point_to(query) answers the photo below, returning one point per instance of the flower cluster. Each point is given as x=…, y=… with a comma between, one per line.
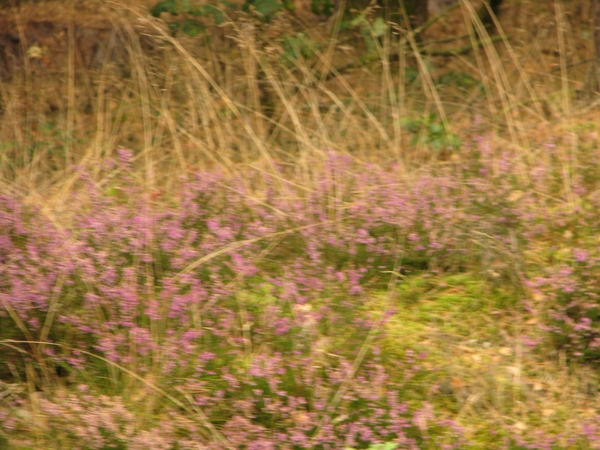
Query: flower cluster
x=247, y=307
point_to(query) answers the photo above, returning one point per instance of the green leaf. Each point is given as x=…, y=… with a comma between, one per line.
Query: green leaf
x=454, y=142
x=216, y=13
x=228, y=4
x=379, y=27
x=288, y=4
x=322, y=7
x=386, y=446
x=436, y=128
x=267, y=7
x=358, y=21
x=192, y=27
x=410, y=124
x=111, y=190
x=197, y=11
x=168, y=6
x=299, y=45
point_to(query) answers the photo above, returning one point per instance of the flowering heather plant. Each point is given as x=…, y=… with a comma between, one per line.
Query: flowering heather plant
x=568, y=291
x=248, y=316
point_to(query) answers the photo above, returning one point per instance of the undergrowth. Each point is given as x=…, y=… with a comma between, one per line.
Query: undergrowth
x=267, y=322
x=254, y=243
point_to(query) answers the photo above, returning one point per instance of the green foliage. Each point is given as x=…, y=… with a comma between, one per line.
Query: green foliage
x=184, y=7
x=370, y=30
x=429, y=131
x=386, y=446
x=299, y=45
x=168, y=6
x=459, y=79
x=265, y=8
x=192, y=19
x=188, y=18
x=322, y=7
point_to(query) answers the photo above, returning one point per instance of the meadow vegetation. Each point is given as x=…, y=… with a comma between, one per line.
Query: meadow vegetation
x=284, y=234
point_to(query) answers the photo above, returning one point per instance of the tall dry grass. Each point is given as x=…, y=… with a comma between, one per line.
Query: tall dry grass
x=250, y=99
x=242, y=100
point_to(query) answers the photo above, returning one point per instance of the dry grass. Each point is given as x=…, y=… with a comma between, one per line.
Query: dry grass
x=240, y=102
